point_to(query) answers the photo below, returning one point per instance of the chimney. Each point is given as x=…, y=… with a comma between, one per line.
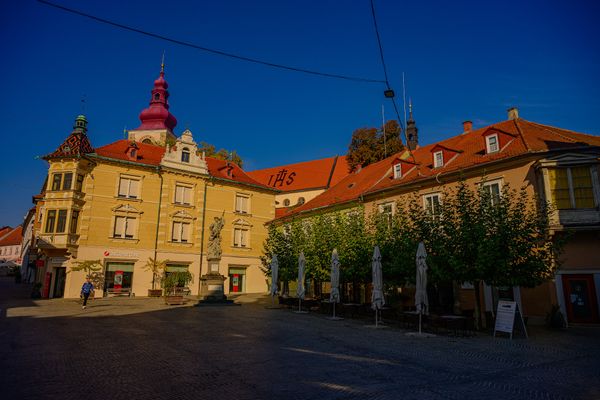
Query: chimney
x=513, y=113
x=467, y=126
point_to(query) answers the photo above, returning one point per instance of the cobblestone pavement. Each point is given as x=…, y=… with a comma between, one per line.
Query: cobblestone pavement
x=142, y=349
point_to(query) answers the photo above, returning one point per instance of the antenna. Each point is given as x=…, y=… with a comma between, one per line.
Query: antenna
x=404, y=98
x=83, y=104
x=383, y=129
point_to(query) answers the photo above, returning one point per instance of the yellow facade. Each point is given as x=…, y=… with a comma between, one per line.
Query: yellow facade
x=130, y=212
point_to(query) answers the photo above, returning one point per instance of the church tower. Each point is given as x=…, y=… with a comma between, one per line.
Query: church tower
x=412, y=132
x=157, y=122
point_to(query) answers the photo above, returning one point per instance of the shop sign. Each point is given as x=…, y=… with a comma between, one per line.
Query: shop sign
x=127, y=254
x=57, y=260
x=505, y=317
x=236, y=281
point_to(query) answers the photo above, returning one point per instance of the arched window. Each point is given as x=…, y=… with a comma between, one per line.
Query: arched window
x=301, y=201
x=185, y=155
x=156, y=96
x=147, y=141
x=286, y=202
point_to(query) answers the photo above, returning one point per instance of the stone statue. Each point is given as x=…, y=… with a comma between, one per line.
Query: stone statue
x=214, y=240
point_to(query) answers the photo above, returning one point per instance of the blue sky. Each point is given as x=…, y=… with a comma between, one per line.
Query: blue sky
x=462, y=60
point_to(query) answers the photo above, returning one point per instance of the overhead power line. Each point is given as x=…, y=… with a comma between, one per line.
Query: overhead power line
x=209, y=50
x=387, y=82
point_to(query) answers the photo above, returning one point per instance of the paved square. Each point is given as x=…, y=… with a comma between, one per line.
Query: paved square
x=141, y=349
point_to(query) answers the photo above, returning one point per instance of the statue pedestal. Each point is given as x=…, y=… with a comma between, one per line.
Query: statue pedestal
x=212, y=285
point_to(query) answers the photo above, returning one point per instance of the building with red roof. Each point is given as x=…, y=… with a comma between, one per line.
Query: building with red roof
x=301, y=182
x=154, y=195
x=10, y=248
x=554, y=164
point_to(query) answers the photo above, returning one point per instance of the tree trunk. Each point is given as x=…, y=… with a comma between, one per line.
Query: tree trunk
x=456, y=294
x=286, y=288
x=477, y=314
x=355, y=292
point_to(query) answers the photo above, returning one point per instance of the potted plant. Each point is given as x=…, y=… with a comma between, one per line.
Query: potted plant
x=173, y=283
x=93, y=270
x=157, y=268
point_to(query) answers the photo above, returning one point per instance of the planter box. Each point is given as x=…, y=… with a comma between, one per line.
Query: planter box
x=154, y=292
x=175, y=300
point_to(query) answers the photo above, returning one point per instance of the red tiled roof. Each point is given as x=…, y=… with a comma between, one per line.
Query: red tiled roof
x=231, y=171
x=75, y=145
x=150, y=154
x=147, y=154
x=315, y=174
x=528, y=137
x=14, y=237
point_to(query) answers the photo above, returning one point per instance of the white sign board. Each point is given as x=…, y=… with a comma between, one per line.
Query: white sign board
x=505, y=317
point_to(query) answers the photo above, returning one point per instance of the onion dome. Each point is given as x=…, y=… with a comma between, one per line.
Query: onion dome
x=157, y=115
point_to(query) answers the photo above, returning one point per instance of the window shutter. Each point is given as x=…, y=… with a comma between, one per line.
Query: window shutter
x=175, y=235
x=187, y=195
x=119, y=226
x=178, y=194
x=236, y=237
x=185, y=232
x=130, y=227
x=124, y=187
x=134, y=188
x=582, y=187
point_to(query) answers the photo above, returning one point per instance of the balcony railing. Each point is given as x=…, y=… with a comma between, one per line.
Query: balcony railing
x=57, y=240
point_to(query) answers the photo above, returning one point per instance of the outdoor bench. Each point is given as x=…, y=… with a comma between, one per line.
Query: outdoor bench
x=119, y=292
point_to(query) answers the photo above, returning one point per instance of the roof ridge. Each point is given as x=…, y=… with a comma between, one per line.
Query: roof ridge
x=331, y=172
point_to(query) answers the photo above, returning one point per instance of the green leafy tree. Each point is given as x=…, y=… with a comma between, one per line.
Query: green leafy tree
x=92, y=270
x=369, y=145
x=157, y=268
x=221, y=154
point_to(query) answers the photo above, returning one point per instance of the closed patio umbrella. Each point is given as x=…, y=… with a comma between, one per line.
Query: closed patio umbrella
x=274, y=278
x=421, y=301
x=334, y=297
x=300, y=291
x=377, y=299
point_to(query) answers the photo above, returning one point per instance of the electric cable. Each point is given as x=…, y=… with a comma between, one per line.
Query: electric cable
x=387, y=82
x=209, y=50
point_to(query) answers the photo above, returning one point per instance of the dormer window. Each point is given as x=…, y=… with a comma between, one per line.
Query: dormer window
x=185, y=155
x=438, y=159
x=398, y=171
x=491, y=143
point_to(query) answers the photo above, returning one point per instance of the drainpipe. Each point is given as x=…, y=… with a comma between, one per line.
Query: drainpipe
x=157, y=221
x=202, y=231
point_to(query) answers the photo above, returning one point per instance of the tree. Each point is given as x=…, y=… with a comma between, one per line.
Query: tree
x=157, y=268
x=368, y=145
x=222, y=154
x=92, y=269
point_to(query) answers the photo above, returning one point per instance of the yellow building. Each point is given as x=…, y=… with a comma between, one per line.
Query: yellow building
x=152, y=195
x=556, y=165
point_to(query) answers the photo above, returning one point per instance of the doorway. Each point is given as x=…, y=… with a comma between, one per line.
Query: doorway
x=60, y=275
x=580, y=298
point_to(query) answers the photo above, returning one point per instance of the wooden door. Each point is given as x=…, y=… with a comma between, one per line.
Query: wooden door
x=580, y=298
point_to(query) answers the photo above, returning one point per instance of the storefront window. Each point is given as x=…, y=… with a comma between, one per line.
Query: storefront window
x=237, y=279
x=119, y=275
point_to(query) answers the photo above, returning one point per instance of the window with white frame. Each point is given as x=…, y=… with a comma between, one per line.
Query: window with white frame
x=398, y=171
x=432, y=204
x=571, y=187
x=129, y=187
x=242, y=203
x=240, y=237
x=183, y=194
x=181, y=232
x=491, y=143
x=387, y=211
x=438, y=159
x=125, y=227
x=493, y=190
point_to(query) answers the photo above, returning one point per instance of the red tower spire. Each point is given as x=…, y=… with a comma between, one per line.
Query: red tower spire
x=157, y=115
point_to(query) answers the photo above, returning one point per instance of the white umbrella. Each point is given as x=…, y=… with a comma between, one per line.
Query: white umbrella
x=274, y=275
x=377, y=299
x=334, y=297
x=300, y=291
x=421, y=301
x=274, y=279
